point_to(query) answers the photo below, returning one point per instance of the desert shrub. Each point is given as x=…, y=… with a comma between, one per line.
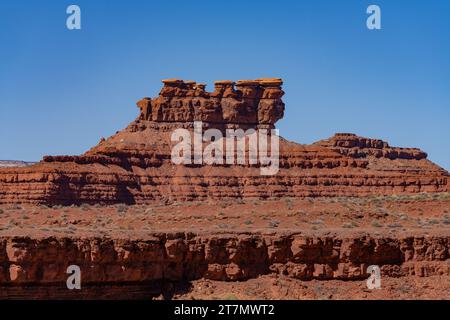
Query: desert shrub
x=85, y=207
x=122, y=208
x=1, y=211
x=347, y=225
x=376, y=224
x=395, y=225
x=274, y=223
x=224, y=204
x=289, y=204
x=248, y=222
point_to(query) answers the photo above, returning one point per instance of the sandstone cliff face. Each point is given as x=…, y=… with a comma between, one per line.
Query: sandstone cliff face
x=134, y=165
x=27, y=263
x=250, y=102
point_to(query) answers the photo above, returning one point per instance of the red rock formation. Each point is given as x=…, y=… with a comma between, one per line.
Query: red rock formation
x=134, y=165
x=252, y=102
x=36, y=267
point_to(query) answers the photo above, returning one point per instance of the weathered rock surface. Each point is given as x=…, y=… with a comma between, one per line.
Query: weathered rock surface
x=134, y=165
x=251, y=102
x=37, y=266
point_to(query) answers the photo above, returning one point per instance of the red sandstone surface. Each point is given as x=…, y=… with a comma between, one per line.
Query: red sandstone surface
x=140, y=226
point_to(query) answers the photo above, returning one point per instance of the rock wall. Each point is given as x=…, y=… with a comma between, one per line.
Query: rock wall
x=30, y=266
x=244, y=102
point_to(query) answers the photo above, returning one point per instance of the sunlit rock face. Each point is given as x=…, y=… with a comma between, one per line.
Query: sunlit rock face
x=134, y=165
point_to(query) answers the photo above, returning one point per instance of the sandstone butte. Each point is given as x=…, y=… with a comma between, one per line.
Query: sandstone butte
x=134, y=166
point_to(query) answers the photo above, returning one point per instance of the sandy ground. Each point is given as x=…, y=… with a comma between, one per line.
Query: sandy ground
x=273, y=286
x=418, y=214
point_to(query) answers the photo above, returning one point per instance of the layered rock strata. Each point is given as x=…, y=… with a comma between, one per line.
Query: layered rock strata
x=138, y=268
x=134, y=165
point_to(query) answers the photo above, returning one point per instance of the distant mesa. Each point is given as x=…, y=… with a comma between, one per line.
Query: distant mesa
x=14, y=163
x=134, y=165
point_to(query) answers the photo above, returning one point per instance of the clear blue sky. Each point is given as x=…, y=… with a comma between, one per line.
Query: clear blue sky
x=61, y=90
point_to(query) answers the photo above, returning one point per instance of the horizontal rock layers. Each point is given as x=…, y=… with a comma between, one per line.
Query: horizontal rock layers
x=134, y=165
x=136, y=268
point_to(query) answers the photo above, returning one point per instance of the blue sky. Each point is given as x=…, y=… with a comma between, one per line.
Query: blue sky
x=61, y=90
